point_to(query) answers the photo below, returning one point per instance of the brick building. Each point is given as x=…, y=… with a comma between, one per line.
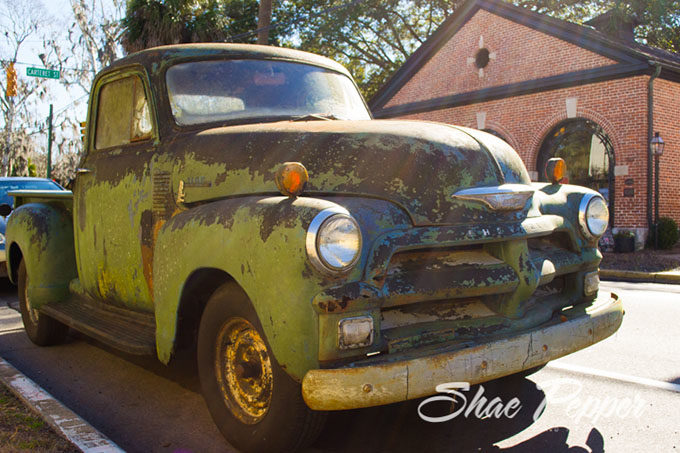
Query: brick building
x=553, y=88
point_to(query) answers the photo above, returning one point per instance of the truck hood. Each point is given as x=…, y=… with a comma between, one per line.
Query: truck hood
x=417, y=165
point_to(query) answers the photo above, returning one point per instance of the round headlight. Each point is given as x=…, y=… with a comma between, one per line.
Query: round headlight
x=334, y=241
x=593, y=215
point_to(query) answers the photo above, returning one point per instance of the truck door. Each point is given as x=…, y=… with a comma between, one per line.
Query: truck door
x=113, y=198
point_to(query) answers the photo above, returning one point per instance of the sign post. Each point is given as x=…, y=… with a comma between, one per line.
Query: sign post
x=49, y=144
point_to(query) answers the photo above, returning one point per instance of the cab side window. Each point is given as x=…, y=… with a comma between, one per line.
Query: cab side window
x=123, y=113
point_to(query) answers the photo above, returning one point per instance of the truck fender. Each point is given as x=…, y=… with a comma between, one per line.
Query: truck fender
x=259, y=242
x=42, y=234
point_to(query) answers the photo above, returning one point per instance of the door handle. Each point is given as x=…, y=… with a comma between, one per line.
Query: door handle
x=82, y=171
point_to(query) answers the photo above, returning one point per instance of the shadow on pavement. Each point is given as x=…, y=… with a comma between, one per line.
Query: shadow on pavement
x=398, y=427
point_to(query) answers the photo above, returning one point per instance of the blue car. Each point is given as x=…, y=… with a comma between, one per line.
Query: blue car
x=9, y=184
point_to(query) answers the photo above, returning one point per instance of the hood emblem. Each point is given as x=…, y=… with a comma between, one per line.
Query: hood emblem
x=507, y=197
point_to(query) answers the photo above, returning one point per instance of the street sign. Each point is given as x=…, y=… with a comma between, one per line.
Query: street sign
x=40, y=72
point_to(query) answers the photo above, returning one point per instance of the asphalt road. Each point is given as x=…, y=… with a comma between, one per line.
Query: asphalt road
x=614, y=396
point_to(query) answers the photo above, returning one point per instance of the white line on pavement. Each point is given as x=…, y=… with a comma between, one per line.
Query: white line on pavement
x=616, y=376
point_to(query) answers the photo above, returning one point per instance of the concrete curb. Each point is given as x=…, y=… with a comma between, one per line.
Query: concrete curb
x=59, y=417
x=642, y=277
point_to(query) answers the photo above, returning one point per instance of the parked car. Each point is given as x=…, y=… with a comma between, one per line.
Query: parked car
x=239, y=201
x=9, y=184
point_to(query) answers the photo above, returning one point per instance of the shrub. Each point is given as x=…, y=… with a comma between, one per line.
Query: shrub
x=668, y=233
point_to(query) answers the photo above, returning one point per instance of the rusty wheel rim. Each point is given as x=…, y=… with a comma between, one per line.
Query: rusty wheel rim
x=32, y=312
x=244, y=370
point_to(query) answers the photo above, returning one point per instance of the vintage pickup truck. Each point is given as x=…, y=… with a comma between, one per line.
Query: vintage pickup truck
x=240, y=200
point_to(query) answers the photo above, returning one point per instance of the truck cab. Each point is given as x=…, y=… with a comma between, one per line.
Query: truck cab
x=240, y=200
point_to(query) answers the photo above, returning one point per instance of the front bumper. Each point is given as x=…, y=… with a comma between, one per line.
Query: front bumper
x=389, y=379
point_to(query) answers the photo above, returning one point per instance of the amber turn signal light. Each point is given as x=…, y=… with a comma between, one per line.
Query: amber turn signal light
x=291, y=178
x=555, y=170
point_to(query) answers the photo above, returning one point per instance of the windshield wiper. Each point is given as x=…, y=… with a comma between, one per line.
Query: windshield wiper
x=315, y=117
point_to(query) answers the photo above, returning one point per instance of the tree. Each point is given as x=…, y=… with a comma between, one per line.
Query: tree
x=149, y=23
x=371, y=38
x=21, y=21
x=90, y=43
x=264, y=19
x=656, y=22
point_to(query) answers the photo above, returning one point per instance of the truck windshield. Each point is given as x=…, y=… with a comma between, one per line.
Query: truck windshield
x=209, y=91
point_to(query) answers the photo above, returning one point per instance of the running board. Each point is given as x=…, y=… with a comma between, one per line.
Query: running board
x=129, y=331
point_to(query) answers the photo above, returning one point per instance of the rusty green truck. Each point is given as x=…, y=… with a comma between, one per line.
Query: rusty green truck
x=239, y=200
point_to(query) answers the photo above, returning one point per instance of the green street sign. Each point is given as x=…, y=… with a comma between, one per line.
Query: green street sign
x=39, y=72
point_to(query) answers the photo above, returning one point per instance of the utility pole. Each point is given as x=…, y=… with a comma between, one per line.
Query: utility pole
x=49, y=143
x=264, y=19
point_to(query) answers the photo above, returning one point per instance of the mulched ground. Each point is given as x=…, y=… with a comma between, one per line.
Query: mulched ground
x=643, y=260
x=23, y=431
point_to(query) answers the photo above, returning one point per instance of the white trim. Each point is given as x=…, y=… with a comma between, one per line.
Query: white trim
x=616, y=376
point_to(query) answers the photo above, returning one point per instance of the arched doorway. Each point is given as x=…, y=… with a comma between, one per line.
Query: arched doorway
x=588, y=153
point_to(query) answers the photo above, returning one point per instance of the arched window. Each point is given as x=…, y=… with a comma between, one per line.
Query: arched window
x=588, y=153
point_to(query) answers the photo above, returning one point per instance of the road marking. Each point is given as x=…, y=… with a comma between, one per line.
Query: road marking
x=616, y=376
x=8, y=331
x=62, y=419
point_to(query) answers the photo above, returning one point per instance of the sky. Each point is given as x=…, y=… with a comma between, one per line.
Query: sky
x=61, y=17
x=58, y=18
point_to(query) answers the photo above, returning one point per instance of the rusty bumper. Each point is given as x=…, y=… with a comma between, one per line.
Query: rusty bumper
x=383, y=380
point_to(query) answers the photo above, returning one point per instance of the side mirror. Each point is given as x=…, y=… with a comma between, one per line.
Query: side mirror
x=5, y=209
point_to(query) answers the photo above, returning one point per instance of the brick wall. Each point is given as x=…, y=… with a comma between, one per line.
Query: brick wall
x=618, y=106
x=667, y=123
x=518, y=53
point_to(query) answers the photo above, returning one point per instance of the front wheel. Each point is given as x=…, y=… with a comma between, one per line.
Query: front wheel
x=40, y=328
x=252, y=400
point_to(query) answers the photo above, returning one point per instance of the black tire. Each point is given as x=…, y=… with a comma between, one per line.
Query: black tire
x=40, y=328
x=269, y=413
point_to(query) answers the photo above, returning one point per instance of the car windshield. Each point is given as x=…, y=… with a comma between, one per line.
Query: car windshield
x=225, y=90
x=9, y=186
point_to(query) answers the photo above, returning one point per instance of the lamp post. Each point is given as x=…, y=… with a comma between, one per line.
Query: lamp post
x=657, y=145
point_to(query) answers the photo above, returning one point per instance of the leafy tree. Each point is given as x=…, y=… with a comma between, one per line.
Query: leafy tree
x=149, y=23
x=371, y=38
x=656, y=22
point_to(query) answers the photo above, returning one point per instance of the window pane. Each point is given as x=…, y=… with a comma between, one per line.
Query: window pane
x=141, y=120
x=123, y=113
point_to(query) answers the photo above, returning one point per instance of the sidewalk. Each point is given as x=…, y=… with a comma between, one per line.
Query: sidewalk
x=670, y=277
x=651, y=266
x=64, y=421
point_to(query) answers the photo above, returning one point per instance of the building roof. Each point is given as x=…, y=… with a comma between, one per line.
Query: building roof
x=633, y=58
